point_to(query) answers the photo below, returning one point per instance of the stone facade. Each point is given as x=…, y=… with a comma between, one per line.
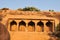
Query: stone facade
x=29, y=25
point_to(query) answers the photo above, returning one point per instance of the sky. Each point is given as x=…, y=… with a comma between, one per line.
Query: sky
x=40, y=4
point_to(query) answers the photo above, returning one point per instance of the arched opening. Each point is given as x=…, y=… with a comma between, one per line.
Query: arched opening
x=49, y=26
x=22, y=26
x=31, y=26
x=13, y=25
x=40, y=26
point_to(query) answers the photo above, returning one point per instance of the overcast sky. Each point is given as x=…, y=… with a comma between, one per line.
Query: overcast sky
x=41, y=4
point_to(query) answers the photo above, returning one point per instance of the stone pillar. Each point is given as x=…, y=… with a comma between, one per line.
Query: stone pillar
x=8, y=26
x=53, y=27
x=35, y=27
x=17, y=26
x=45, y=27
x=26, y=27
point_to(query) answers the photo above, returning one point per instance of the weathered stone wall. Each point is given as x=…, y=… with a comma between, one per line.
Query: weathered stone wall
x=29, y=36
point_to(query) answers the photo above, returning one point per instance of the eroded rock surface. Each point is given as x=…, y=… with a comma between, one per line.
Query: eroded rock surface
x=4, y=34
